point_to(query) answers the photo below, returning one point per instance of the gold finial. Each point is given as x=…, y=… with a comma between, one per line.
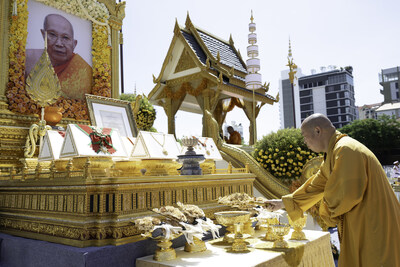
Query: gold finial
x=292, y=66
x=251, y=18
x=218, y=57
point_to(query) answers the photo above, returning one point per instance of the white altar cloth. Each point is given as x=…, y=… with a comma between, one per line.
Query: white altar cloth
x=317, y=252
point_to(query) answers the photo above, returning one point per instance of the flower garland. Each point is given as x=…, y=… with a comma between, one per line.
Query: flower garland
x=19, y=100
x=101, y=62
x=95, y=9
x=185, y=87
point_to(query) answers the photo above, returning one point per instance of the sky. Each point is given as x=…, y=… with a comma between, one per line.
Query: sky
x=360, y=33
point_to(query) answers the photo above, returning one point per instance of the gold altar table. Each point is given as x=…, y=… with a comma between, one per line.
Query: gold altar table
x=316, y=251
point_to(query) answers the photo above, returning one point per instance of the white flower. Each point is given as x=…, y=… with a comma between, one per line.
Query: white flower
x=169, y=230
x=209, y=225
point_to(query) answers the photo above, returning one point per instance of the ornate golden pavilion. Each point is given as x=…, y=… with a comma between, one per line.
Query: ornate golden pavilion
x=202, y=72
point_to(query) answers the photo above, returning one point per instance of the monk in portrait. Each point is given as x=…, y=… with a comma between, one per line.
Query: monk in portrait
x=356, y=197
x=74, y=74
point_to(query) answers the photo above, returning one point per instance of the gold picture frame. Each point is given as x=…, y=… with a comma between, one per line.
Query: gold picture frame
x=14, y=18
x=112, y=113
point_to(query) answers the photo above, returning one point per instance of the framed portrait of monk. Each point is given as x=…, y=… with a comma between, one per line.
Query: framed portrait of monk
x=82, y=47
x=69, y=46
x=112, y=113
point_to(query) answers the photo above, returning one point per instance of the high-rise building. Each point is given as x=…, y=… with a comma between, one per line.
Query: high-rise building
x=286, y=93
x=389, y=79
x=329, y=92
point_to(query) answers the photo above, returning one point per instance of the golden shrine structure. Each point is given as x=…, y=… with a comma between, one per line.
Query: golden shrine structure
x=93, y=202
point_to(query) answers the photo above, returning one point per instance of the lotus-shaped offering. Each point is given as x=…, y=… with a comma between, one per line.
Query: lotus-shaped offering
x=234, y=220
x=298, y=226
x=281, y=230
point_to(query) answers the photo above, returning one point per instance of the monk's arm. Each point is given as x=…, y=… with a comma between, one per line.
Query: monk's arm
x=305, y=196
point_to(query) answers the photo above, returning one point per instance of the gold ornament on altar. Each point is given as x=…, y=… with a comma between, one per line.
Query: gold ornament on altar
x=235, y=220
x=167, y=232
x=42, y=83
x=280, y=231
x=44, y=88
x=298, y=226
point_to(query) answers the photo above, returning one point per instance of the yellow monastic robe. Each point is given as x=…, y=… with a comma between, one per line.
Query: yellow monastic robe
x=75, y=77
x=358, y=198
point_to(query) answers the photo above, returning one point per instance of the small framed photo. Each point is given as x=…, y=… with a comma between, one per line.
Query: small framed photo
x=112, y=113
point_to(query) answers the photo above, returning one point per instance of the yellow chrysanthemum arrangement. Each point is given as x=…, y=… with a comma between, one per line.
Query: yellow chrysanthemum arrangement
x=101, y=62
x=283, y=154
x=146, y=115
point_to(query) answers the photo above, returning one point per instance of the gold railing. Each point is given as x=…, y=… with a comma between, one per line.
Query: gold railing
x=230, y=170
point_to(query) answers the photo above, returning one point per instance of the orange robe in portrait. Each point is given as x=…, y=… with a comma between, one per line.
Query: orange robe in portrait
x=358, y=198
x=75, y=77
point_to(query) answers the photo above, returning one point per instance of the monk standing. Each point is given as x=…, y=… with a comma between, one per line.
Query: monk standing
x=74, y=73
x=356, y=194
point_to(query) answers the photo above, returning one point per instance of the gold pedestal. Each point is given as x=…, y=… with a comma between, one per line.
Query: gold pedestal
x=235, y=219
x=281, y=230
x=198, y=246
x=128, y=167
x=270, y=234
x=99, y=165
x=164, y=251
x=156, y=167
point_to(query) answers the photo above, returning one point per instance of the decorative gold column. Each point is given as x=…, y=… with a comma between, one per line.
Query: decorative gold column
x=171, y=106
x=4, y=61
x=206, y=94
x=115, y=22
x=248, y=110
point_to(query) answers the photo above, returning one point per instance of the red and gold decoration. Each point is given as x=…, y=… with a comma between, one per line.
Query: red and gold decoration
x=186, y=87
x=100, y=138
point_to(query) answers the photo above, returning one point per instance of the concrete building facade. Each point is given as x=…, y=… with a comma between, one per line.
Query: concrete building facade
x=330, y=93
x=389, y=79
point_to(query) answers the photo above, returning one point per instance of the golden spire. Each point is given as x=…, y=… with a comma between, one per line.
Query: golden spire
x=251, y=18
x=292, y=66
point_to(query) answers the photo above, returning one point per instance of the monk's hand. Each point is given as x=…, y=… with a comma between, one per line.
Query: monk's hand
x=274, y=204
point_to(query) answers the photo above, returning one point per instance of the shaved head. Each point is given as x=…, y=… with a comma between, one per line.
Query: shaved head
x=319, y=120
x=60, y=39
x=61, y=19
x=317, y=130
